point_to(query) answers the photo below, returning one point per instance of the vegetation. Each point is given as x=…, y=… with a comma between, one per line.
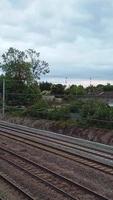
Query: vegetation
x=58, y=89
x=45, y=86
x=3, y=195
x=23, y=66
x=21, y=70
x=25, y=96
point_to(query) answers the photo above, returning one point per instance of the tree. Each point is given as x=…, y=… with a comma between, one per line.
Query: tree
x=58, y=89
x=99, y=88
x=38, y=67
x=45, y=86
x=72, y=90
x=23, y=66
x=21, y=70
x=80, y=90
x=76, y=90
x=18, y=94
x=108, y=87
x=91, y=90
x=95, y=110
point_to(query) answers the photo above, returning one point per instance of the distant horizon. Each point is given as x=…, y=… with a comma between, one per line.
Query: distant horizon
x=69, y=81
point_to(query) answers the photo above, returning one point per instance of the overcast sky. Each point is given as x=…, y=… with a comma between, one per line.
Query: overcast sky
x=74, y=36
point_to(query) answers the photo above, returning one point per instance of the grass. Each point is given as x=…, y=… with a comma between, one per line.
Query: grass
x=3, y=196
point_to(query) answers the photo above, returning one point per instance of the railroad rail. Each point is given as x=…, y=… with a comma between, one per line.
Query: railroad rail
x=59, y=137
x=99, y=159
x=40, y=179
x=77, y=141
x=53, y=176
x=15, y=186
x=93, y=157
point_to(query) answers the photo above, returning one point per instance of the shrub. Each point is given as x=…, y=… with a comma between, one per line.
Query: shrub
x=38, y=110
x=59, y=114
x=75, y=106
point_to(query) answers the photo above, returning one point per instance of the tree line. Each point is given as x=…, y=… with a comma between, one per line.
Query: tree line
x=22, y=71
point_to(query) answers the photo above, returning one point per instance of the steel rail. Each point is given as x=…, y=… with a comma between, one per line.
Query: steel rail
x=65, y=143
x=84, y=143
x=62, y=152
x=40, y=179
x=51, y=172
x=15, y=186
x=64, y=149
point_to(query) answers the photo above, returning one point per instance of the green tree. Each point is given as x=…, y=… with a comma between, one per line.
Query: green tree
x=58, y=89
x=23, y=66
x=99, y=88
x=108, y=87
x=45, y=86
x=38, y=66
x=21, y=70
x=75, y=90
x=18, y=93
x=102, y=112
x=95, y=110
x=80, y=90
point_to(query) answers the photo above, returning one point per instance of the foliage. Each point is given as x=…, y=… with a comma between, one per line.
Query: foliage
x=21, y=70
x=102, y=112
x=21, y=94
x=58, y=89
x=43, y=111
x=108, y=87
x=95, y=109
x=38, y=110
x=38, y=67
x=45, y=86
x=88, y=108
x=59, y=114
x=75, y=90
x=75, y=106
x=23, y=66
x=3, y=195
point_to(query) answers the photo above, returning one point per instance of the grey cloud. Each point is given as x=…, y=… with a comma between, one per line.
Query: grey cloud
x=75, y=37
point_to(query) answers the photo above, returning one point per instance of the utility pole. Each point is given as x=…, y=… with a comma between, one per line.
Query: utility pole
x=3, y=104
x=66, y=79
x=90, y=81
x=90, y=84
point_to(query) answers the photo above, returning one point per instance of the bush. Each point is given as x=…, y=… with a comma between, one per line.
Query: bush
x=42, y=111
x=38, y=110
x=95, y=109
x=88, y=108
x=102, y=112
x=59, y=114
x=75, y=106
x=15, y=111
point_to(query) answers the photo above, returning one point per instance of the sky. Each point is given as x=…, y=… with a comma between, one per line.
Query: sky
x=74, y=36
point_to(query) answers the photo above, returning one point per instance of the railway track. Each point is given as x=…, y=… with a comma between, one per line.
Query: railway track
x=99, y=160
x=65, y=140
x=59, y=147
x=37, y=178
x=76, y=141
x=37, y=171
x=15, y=186
x=27, y=169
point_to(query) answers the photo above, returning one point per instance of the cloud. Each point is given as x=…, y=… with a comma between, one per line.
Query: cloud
x=75, y=37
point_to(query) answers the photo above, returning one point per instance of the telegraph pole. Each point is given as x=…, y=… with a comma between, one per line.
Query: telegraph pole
x=66, y=78
x=3, y=104
x=90, y=84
